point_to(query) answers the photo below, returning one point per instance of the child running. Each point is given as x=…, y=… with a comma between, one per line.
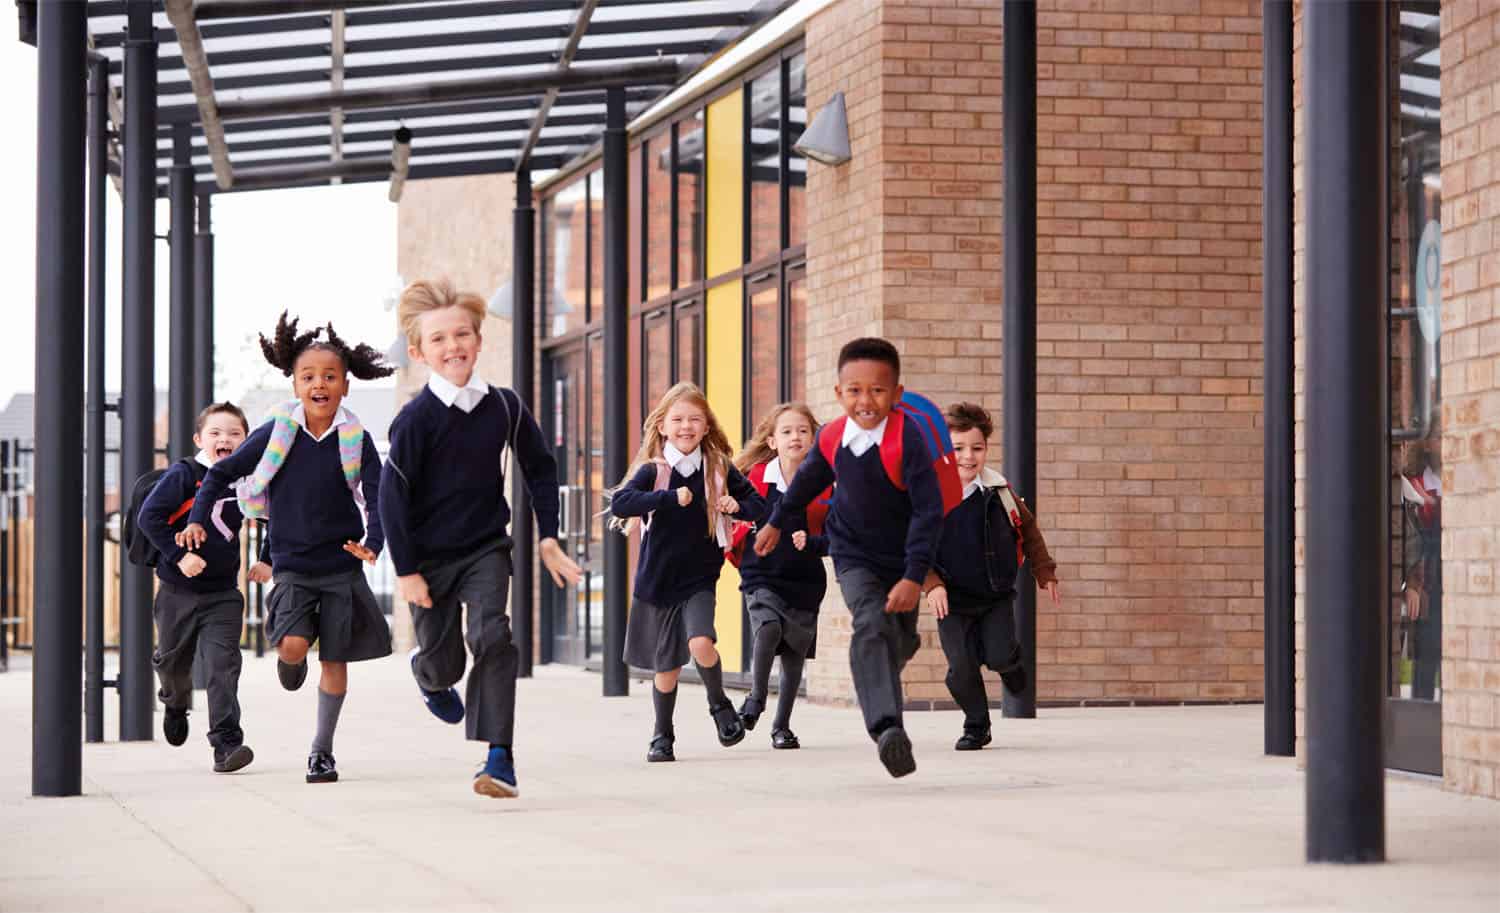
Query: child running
x=881, y=533
x=973, y=582
x=314, y=471
x=199, y=604
x=442, y=499
x=683, y=488
x=784, y=588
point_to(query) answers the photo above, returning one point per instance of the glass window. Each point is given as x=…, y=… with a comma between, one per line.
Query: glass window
x=689, y=343
x=596, y=480
x=633, y=255
x=796, y=295
x=765, y=350
x=796, y=173
x=765, y=165
x=567, y=230
x=658, y=357
x=691, y=138
x=659, y=215
x=596, y=244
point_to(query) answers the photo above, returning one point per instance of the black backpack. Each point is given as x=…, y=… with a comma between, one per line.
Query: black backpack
x=138, y=547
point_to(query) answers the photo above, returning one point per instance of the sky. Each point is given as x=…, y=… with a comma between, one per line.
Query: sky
x=322, y=253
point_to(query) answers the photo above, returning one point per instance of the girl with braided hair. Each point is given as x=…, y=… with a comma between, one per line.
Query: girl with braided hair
x=323, y=494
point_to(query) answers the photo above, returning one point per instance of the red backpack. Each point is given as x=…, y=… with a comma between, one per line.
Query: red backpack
x=816, y=512
x=929, y=421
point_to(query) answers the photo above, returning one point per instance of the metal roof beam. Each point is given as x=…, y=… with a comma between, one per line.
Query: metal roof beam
x=180, y=12
x=564, y=61
x=239, y=9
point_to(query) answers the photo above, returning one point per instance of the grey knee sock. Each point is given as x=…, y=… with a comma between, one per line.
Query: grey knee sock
x=791, y=680
x=329, y=706
x=767, y=639
x=713, y=680
x=664, y=702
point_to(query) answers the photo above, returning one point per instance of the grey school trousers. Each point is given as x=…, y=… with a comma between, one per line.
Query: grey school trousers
x=185, y=622
x=479, y=584
x=879, y=647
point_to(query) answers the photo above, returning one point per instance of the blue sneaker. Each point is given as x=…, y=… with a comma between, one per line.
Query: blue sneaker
x=446, y=705
x=497, y=779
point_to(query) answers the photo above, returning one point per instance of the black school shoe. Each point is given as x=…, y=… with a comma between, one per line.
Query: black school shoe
x=229, y=760
x=727, y=723
x=895, y=752
x=661, y=749
x=291, y=677
x=750, y=712
x=320, y=768
x=174, y=725
x=785, y=739
x=972, y=741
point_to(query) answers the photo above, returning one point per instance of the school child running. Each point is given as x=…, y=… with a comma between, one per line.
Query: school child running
x=973, y=582
x=784, y=589
x=684, y=488
x=313, y=470
x=199, y=604
x=442, y=503
x=881, y=536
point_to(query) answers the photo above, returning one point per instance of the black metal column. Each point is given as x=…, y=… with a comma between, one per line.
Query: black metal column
x=138, y=394
x=57, y=669
x=93, y=688
x=1019, y=334
x=523, y=325
x=203, y=305
x=1344, y=59
x=616, y=381
x=181, y=407
x=1280, y=457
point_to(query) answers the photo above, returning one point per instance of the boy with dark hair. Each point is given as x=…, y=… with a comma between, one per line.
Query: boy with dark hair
x=199, y=599
x=881, y=532
x=973, y=582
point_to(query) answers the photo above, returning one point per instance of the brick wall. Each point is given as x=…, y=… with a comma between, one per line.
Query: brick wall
x=1471, y=397
x=1148, y=306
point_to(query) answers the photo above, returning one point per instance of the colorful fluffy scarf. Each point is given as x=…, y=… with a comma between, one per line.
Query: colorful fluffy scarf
x=253, y=489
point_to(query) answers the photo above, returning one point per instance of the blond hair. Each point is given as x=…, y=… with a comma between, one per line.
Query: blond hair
x=757, y=449
x=715, y=444
x=426, y=295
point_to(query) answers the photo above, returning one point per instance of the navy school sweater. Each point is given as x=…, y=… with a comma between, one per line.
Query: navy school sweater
x=442, y=492
x=961, y=559
x=872, y=523
x=312, y=511
x=796, y=576
x=679, y=555
x=172, y=490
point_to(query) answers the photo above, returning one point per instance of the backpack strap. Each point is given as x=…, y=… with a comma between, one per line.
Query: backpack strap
x=199, y=471
x=663, y=478
x=1007, y=497
x=510, y=419
x=892, y=447
x=830, y=437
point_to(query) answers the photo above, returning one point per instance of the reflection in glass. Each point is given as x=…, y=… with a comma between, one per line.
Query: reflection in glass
x=565, y=222
x=796, y=295
x=691, y=139
x=689, y=341
x=796, y=176
x=658, y=357
x=764, y=153
x=596, y=244
x=765, y=352
x=659, y=216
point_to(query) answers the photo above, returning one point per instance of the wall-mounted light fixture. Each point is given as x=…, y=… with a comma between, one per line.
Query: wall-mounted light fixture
x=826, y=139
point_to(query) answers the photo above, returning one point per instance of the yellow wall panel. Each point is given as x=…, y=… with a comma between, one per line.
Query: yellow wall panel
x=725, y=341
x=725, y=205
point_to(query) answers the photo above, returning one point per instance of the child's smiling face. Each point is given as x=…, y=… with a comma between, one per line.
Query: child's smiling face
x=449, y=344
x=320, y=381
x=792, y=436
x=970, y=450
x=684, y=426
x=222, y=434
x=868, y=390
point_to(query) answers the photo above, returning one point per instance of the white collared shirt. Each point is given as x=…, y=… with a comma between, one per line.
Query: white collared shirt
x=684, y=464
x=858, y=440
x=299, y=415
x=972, y=487
x=466, y=397
x=773, y=475
x=204, y=459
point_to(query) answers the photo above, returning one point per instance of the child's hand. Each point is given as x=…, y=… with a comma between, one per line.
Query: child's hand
x=413, y=590
x=684, y=496
x=260, y=572
x=564, y=570
x=192, y=536
x=360, y=552
x=937, y=597
x=766, y=540
x=902, y=598
x=728, y=505
x=191, y=565
x=1051, y=588
x=799, y=539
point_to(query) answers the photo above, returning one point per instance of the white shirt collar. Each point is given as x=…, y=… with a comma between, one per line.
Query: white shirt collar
x=299, y=415
x=204, y=459
x=465, y=397
x=858, y=440
x=972, y=487
x=773, y=476
x=685, y=464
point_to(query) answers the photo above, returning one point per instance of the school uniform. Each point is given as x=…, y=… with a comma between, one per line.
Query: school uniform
x=878, y=535
x=979, y=629
x=320, y=591
x=680, y=558
x=785, y=587
x=446, y=517
x=206, y=611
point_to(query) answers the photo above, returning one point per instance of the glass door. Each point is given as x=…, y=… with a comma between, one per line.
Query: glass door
x=565, y=389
